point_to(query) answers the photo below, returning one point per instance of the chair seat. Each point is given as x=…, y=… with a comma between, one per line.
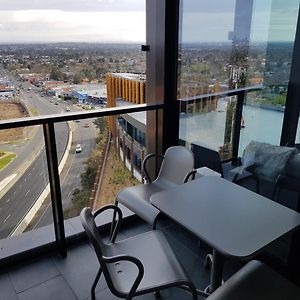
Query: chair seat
x=137, y=199
x=160, y=263
x=256, y=281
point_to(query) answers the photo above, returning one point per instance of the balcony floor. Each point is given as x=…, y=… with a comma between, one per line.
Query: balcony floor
x=53, y=277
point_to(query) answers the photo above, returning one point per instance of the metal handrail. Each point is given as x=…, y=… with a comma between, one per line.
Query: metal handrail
x=70, y=116
x=48, y=122
x=227, y=93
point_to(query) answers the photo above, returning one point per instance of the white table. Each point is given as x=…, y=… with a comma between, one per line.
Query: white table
x=236, y=222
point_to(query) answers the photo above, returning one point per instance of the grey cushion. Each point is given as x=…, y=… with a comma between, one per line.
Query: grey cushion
x=293, y=167
x=269, y=160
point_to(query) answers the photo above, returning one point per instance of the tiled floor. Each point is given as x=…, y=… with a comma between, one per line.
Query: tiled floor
x=52, y=277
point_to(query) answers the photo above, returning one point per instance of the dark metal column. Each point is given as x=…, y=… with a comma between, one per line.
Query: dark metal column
x=171, y=111
x=58, y=219
x=292, y=105
x=237, y=126
x=155, y=39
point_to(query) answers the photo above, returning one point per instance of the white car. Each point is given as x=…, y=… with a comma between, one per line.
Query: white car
x=78, y=148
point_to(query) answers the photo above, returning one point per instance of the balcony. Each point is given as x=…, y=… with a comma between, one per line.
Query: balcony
x=49, y=276
x=56, y=262
x=45, y=265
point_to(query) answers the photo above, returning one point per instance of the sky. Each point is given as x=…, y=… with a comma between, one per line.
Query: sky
x=212, y=20
x=125, y=20
x=72, y=21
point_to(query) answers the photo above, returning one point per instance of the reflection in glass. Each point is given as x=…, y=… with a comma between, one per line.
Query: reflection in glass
x=227, y=46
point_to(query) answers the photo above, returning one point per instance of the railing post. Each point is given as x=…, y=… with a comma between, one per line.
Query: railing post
x=58, y=219
x=156, y=143
x=237, y=126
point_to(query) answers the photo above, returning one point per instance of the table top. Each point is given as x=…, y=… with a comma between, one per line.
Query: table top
x=233, y=220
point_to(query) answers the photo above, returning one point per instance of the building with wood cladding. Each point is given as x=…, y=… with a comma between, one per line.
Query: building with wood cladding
x=128, y=130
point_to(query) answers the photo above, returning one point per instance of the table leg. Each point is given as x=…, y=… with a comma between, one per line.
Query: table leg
x=217, y=271
x=293, y=257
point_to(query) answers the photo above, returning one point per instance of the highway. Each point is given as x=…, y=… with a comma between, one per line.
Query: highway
x=70, y=177
x=16, y=202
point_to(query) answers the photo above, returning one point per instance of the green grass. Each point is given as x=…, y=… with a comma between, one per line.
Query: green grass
x=34, y=111
x=4, y=161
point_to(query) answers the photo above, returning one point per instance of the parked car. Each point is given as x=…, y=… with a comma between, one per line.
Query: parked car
x=78, y=148
x=68, y=109
x=86, y=125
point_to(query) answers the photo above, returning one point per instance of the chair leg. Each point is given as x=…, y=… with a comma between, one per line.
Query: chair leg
x=93, y=296
x=157, y=294
x=193, y=291
x=208, y=261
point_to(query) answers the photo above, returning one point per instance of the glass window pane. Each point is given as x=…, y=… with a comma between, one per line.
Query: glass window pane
x=270, y=55
x=251, y=45
x=55, y=58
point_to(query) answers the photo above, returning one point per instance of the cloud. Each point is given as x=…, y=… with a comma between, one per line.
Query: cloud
x=62, y=26
x=74, y=5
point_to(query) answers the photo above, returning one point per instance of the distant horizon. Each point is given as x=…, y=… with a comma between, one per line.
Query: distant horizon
x=129, y=42
x=70, y=42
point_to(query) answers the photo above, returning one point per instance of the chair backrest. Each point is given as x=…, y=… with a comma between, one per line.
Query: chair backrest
x=89, y=225
x=206, y=157
x=101, y=249
x=177, y=163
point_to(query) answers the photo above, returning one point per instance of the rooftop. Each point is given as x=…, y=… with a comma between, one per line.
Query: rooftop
x=130, y=76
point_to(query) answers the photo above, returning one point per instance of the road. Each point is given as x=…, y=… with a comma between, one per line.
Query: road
x=16, y=202
x=73, y=168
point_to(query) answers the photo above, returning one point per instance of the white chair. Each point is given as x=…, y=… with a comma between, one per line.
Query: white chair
x=176, y=168
x=135, y=266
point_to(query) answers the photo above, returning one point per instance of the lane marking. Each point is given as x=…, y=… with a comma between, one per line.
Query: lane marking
x=27, y=192
x=7, y=200
x=6, y=218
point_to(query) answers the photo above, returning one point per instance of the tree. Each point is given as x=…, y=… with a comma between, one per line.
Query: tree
x=56, y=74
x=101, y=124
x=77, y=78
